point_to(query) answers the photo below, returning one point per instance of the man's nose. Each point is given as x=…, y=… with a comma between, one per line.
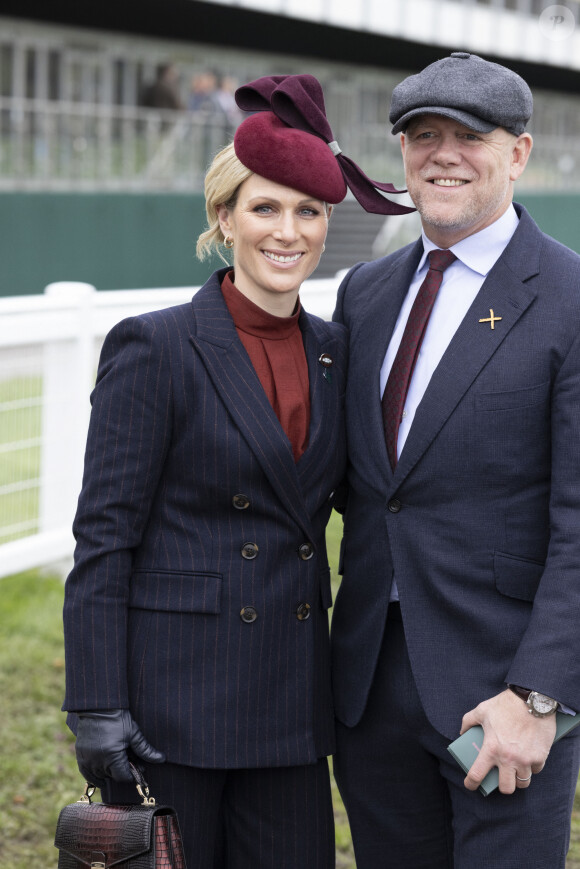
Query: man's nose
x=447, y=151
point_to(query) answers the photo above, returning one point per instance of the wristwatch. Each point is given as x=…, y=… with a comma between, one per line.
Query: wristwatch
x=539, y=705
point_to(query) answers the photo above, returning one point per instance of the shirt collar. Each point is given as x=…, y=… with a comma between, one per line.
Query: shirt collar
x=252, y=319
x=481, y=250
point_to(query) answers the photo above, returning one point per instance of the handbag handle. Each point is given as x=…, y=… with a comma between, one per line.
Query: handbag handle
x=140, y=784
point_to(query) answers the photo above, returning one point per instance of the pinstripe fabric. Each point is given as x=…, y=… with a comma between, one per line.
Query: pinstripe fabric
x=180, y=425
x=246, y=819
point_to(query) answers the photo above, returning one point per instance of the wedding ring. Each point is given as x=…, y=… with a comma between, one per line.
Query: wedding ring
x=524, y=779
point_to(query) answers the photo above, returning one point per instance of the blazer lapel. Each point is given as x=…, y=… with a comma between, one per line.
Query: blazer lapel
x=369, y=340
x=472, y=346
x=324, y=398
x=235, y=380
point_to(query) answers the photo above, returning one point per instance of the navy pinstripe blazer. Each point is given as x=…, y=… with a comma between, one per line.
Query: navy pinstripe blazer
x=180, y=426
x=480, y=520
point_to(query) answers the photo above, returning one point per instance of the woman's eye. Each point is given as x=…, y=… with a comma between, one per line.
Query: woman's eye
x=309, y=212
x=263, y=209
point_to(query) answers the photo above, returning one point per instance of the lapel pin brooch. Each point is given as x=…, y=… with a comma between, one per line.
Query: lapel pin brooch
x=492, y=319
x=326, y=361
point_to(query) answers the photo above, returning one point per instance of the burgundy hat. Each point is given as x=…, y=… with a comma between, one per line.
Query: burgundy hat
x=289, y=141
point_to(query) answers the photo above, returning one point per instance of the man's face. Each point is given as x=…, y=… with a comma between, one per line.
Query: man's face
x=460, y=181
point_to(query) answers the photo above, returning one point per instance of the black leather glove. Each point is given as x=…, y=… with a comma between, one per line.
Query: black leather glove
x=103, y=739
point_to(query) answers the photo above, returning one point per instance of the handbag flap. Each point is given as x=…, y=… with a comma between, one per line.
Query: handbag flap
x=118, y=832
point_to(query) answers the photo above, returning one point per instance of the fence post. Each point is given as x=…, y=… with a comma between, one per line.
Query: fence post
x=68, y=377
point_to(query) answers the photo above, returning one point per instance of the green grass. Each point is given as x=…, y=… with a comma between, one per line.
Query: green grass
x=20, y=413
x=344, y=852
x=38, y=772
x=37, y=764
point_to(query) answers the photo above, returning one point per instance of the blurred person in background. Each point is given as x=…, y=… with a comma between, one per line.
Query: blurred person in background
x=163, y=93
x=211, y=127
x=225, y=98
x=202, y=95
x=195, y=616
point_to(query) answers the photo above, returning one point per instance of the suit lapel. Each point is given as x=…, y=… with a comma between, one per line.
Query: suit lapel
x=473, y=344
x=324, y=406
x=370, y=336
x=236, y=382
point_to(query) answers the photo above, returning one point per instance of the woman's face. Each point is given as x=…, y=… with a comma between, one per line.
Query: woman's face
x=278, y=236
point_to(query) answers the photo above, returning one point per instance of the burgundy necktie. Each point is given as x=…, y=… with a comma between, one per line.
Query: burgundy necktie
x=395, y=393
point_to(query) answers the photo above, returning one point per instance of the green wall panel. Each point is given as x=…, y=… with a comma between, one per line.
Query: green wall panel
x=130, y=241
x=558, y=214
x=111, y=240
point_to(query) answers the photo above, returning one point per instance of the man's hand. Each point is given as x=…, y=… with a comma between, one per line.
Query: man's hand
x=515, y=741
x=103, y=739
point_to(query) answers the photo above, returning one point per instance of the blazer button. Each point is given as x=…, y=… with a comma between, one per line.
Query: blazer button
x=249, y=551
x=306, y=551
x=248, y=614
x=394, y=505
x=240, y=502
x=303, y=612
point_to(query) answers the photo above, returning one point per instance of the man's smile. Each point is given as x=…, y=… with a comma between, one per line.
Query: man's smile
x=448, y=182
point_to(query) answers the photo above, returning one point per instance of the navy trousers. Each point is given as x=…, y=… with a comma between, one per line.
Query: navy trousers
x=276, y=818
x=405, y=797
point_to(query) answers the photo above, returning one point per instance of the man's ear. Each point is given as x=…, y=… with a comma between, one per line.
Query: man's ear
x=402, y=137
x=520, y=155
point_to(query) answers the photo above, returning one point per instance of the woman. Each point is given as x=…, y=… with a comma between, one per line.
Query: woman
x=196, y=613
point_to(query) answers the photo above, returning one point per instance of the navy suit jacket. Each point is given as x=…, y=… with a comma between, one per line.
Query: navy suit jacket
x=180, y=425
x=480, y=521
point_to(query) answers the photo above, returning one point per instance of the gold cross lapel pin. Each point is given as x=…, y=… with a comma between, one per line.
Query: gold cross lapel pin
x=492, y=319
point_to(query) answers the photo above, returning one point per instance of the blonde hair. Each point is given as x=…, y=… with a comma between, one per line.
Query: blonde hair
x=222, y=182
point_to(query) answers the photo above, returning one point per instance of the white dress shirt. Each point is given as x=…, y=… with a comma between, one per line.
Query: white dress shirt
x=462, y=280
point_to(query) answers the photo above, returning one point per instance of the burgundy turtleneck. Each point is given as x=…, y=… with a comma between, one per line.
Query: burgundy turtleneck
x=276, y=350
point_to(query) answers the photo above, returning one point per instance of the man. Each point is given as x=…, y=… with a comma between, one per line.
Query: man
x=164, y=92
x=461, y=549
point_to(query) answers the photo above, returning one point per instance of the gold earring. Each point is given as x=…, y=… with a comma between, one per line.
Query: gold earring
x=323, y=248
x=228, y=242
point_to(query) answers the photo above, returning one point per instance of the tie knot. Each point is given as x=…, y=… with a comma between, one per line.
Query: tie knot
x=440, y=259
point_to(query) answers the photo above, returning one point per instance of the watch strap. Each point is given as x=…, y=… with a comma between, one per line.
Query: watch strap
x=529, y=697
x=524, y=693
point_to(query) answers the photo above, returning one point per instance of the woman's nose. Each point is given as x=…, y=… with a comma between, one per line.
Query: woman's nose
x=286, y=230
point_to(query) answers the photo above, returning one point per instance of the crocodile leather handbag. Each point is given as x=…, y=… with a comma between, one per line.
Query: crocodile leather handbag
x=139, y=836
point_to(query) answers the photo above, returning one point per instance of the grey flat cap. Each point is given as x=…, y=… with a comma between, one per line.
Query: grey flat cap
x=479, y=94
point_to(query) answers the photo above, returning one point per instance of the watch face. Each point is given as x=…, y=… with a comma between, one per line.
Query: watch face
x=542, y=704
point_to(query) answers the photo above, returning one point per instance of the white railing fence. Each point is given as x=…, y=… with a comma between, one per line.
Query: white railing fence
x=60, y=145
x=49, y=348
